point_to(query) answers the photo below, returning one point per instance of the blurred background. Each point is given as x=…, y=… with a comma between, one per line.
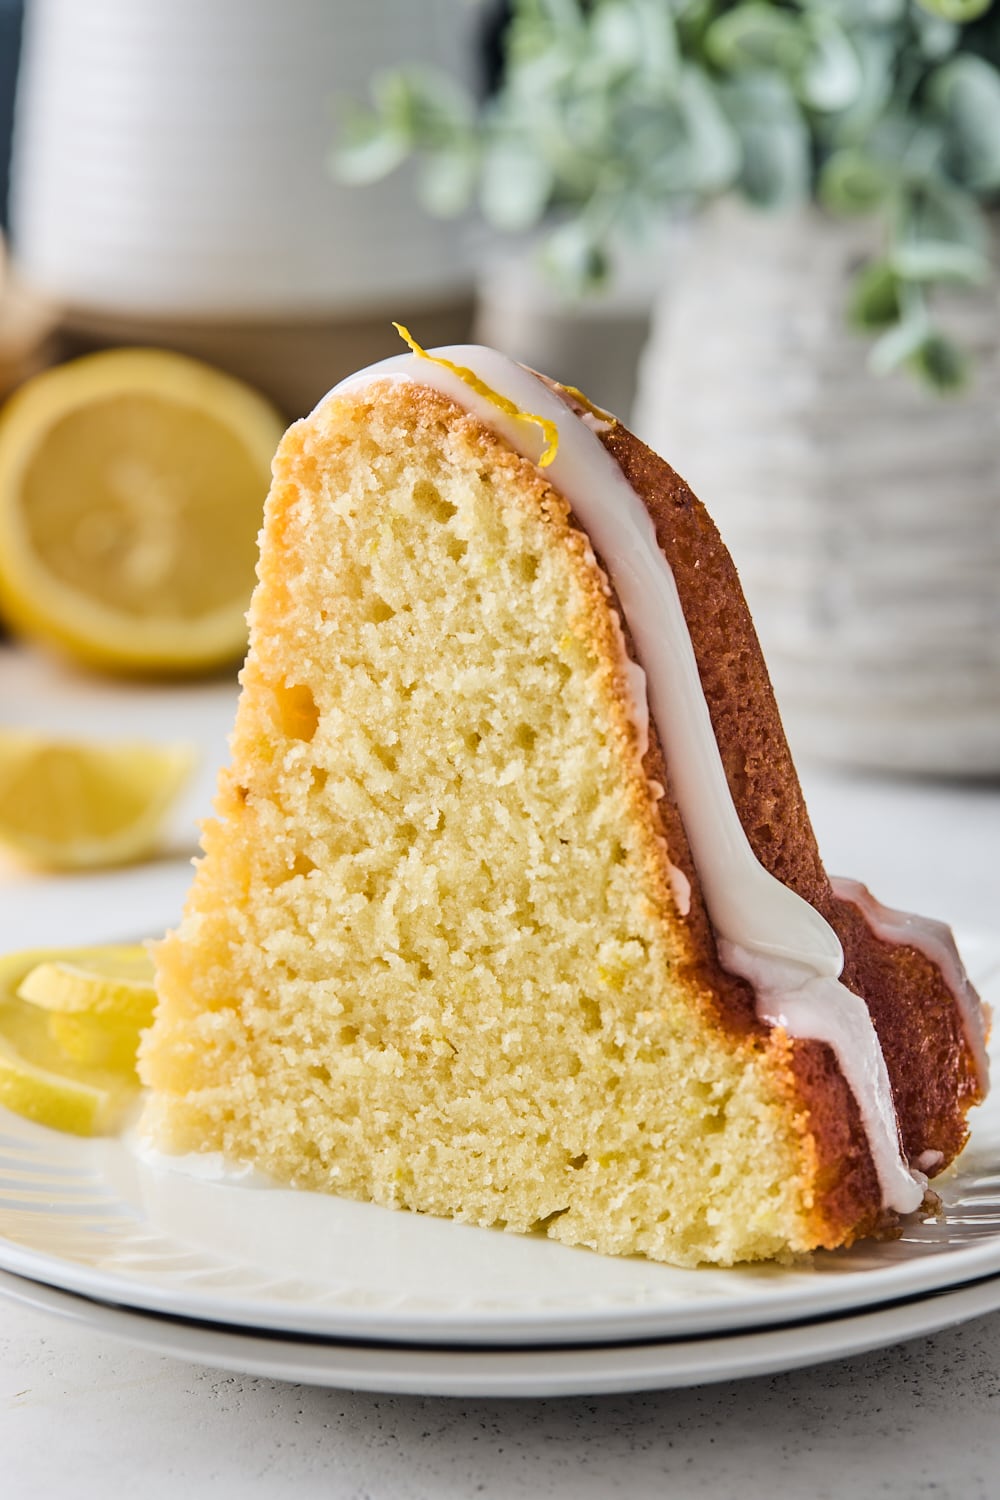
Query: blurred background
x=764, y=234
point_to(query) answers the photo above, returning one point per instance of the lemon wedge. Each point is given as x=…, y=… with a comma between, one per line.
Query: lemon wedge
x=65, y=804
x=132, y=485
x=87, y=1088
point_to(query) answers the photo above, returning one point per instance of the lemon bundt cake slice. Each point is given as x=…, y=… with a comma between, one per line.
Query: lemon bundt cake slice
x=511, y=910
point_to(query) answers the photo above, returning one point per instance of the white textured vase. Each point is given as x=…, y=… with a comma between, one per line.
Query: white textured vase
x=863, y=513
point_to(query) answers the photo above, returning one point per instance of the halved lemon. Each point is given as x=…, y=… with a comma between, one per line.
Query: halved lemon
x=132, y=485
x=65, y=804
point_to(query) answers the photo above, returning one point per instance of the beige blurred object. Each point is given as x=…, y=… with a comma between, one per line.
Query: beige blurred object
x=171, y=182
x=293, y=363
x=863, y=513
x=27, y=324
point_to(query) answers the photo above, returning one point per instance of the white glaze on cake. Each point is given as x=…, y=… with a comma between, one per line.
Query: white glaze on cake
x=935, y=941
x=765, y=932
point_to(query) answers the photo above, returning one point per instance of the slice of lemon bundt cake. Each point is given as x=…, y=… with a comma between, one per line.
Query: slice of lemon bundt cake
x=479, y=933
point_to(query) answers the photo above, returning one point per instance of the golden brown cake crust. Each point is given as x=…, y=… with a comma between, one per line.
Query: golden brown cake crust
x=916, y=1017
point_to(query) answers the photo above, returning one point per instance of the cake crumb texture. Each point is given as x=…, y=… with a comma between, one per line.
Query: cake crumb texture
x=431, y=957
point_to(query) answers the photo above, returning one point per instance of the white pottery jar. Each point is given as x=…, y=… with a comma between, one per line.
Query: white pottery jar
x=172, y=157
x=863, y=512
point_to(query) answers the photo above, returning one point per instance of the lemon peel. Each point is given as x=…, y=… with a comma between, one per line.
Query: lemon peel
x=550, y=432
x=588, y=405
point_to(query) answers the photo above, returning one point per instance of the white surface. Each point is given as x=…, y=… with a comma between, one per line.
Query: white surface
x=514, y=1372
x=82, y=1415
x=88, y=1216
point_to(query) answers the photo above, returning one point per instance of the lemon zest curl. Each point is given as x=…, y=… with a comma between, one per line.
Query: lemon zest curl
x=588, y=405
x=550, y=432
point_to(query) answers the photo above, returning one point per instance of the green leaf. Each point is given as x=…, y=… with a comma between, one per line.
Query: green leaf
x=576, y=258
x=712, y=142
x=831, y=77
x=776, y=149
x=940, y=362
x=757, y=36
x=936, y=209
x=368, y=150
x=616, y=34
x=873, y=303
x=856, y=14
x=936, y=38
x=957, y=10
x=852, y=182
x=898, y=345
x=939, y=260
x=446, y=179
x=775, y=167
x=966, y=94
x=877, y=60
x=422, y=105
x=660, y=51
x=515, y=185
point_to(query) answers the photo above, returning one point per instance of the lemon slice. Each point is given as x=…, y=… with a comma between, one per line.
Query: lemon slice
x=99, y=999
x=69, y=805
x=39, y=1078
x=132, y=485
x=51, y=1098
x=107, y=980
x=97, y=1042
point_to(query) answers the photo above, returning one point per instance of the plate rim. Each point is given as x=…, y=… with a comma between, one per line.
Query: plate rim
x=863, y=1291
x=515, y=1373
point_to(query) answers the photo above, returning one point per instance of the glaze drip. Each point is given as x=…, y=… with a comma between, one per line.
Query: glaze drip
x=935, y=941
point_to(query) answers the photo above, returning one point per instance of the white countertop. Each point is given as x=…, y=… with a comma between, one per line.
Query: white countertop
x=84, y=1416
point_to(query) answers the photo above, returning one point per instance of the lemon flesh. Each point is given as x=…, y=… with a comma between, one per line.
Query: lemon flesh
x=87, y=1088
x=69, y=805
x=132, y=485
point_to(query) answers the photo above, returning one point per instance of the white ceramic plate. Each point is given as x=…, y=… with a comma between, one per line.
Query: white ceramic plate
x=87, y=1217
x=514, y=1372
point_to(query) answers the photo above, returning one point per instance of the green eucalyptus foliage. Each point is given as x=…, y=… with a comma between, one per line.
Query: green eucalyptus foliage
x=608, y=110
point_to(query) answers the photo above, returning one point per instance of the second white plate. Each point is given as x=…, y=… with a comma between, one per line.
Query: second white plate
x=515, y=1372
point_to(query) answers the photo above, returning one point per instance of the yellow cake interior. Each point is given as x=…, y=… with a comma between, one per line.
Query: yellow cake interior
x=431, y=956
